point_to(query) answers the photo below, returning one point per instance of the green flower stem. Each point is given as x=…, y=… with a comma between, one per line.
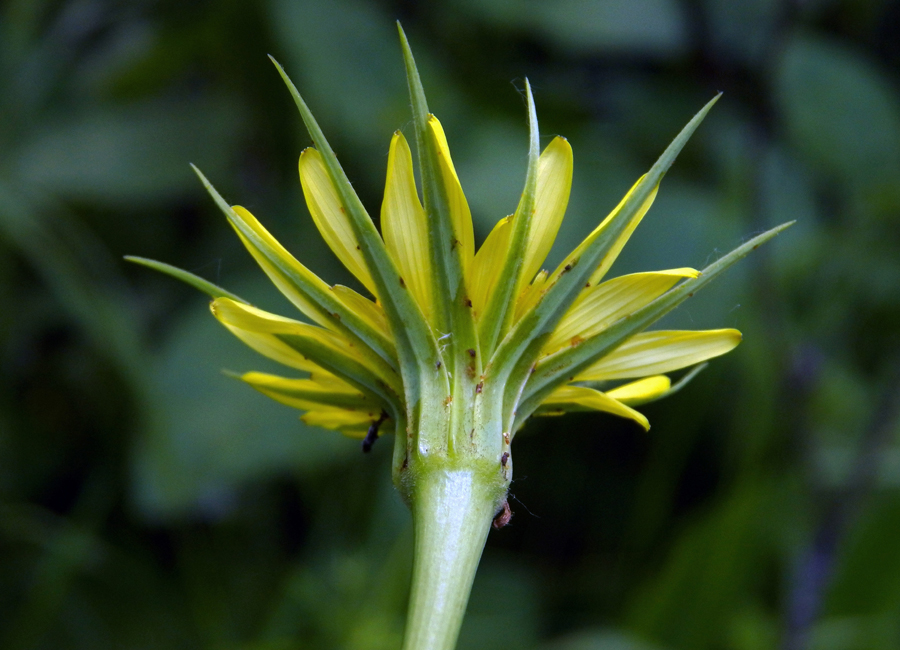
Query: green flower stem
x=453, y=507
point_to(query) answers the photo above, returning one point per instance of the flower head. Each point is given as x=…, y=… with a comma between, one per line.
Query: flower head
x=452, y=347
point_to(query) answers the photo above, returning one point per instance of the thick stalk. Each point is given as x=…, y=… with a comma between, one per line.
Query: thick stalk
x=453, y=508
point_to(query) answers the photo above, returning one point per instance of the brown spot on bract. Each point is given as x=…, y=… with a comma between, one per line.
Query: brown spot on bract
x=336, y=316
x=587, y=284
x=468, y=302
x=576, y=340
x=566, y=268
x=447, y=400
x=402, y=283
x=504, y=458
x=502, y=518
x=437, y=365
x=471, y=352
x=479, y=387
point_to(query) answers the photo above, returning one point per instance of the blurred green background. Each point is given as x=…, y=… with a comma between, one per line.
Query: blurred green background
x=148, y=501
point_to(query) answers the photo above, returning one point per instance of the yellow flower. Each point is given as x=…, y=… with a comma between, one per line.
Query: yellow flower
x=448, y=333
x=453, y=348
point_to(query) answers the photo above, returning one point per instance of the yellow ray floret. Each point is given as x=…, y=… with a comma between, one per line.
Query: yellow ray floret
x=662, y=351
x=488, y=264
x=612, y=251
x=330, y=216
x=354, y=424
x=531, y=294
x=554, y=183
x=579, y=398
x=369, y=311
x=310, y=394
x=600, y=306
x=272, y=347
x=641, y=391
x=460, y=216
x=403, y=224
x=276, y=275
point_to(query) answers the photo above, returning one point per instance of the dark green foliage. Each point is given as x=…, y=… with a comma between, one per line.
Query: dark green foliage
x=149, y=501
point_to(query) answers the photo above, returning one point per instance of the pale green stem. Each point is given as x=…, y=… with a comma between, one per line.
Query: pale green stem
x=452, y=513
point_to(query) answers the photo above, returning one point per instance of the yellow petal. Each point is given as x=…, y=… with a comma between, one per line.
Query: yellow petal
x=662, y=351
x=328, y=380
x=642, y=390
x=370, y=311
x=579, y=398
x=554, y=183
x=600, y=306
x=300, y=301
x=308, y=394
x=270, y=346
x=251, y=319
x=613, y=251
x=351, y=423
x=530, y=295
x=403, y=224
x=460, y=216
x=327, y=349
x=488, y=264
x=623, y=238
x=331, y=216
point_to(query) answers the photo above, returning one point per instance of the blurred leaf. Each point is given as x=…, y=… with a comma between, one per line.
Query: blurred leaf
x=743, y=31
x=842, y=112
x=487, y=155
x=868, y=572
x=86, y=295
x=350, y=598
x=138, y=153
x=600, y=640
x=217, y=433
x=337, y=53
x=711, y=567
x=67, y=550
x=754, y=630
x=643, y=27
x=856, y=633
x=510, y=626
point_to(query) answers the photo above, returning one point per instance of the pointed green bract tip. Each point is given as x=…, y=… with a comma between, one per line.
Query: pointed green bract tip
x=275, y=62
x=665, y=161
x=684, y=381
x=200, y=175
x=222, y=203
x=414, y=82
x=279, y=67
x=210, y=289
x=402, y=34
x=416, y=90
x=534, y=134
